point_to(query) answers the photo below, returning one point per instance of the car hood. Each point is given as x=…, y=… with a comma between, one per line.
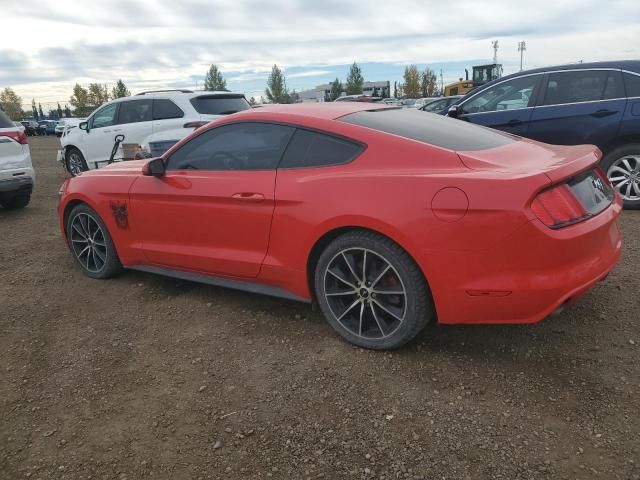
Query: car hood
x=123, y=168
x=530, y=157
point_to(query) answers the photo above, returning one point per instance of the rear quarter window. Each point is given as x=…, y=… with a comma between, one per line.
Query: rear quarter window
x=5, y=122
x=430, y=128
x=313, y=149
x=219, y=104
x=632, y=84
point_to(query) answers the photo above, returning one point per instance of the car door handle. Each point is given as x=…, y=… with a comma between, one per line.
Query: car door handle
x=603, y=113
x=248, y=197
x=514, y=122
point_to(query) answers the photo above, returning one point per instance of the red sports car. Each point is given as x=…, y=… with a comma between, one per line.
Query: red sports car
x=387, y=218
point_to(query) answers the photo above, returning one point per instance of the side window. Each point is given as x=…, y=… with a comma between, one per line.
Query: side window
x=105, y=117
x=509, y=95
x=135, y=111
x=613, y=88
x=239, y=146
x=579, y=86
x=632, y=84
x=164, y=109
x=312, y=149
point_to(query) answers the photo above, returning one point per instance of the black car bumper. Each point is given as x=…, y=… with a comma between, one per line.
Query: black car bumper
x=16, y=186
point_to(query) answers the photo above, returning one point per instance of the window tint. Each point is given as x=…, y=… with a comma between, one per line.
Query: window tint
x=581, y=86
x=220, y=104
x=436, y=105
x=5, y=122
x=240, y=146
x=105, y=117
x=312, y=149
x=135, y=111
x=632, y=84
x=430, y=128
x=164, y=109
x=509, y=95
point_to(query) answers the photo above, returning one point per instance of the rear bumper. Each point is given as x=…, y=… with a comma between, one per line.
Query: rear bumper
x=15, y=186
x=528, y=275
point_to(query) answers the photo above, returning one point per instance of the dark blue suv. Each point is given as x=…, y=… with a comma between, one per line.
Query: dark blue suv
x=594, y=103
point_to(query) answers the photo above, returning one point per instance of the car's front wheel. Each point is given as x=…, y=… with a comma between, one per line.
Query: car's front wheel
x=75, y=162
x=371, y=291
x=622, y=166
x=91, y=244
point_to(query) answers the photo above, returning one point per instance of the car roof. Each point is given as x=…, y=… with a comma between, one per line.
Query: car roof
x=630, y=65
x=324, y=110
x=176, y=94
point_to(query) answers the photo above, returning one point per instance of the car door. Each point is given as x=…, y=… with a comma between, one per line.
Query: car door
x=135, y=121
x=505, y=105
x=97, y=141
x=579, y=106
x=211, y=212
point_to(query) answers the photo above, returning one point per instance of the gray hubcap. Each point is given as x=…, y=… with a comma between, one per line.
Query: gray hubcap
x=365, y=293
x=88, y=242
x=624, y=175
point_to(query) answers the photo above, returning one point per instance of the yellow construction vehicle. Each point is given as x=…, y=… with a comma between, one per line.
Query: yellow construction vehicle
x=481, y=75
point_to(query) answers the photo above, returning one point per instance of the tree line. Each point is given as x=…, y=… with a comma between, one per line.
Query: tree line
x=85, y=100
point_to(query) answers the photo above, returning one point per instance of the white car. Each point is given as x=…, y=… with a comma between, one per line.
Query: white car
x=65, y=124
x=137, y=118
x=16, y=171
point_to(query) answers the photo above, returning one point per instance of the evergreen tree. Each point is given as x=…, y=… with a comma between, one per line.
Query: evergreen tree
x=120, y=90
x=40, y=112
x=276, y=90
x=34, y=109
x=336, y=89
x=59, y=110
x=214, y=81
x=67, y=111
x=354, y=80
x=395, y=89
x=252, y=101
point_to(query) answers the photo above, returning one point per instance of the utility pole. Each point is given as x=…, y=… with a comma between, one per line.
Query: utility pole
x=441, y=83
x=494, y=45
x=522, y=46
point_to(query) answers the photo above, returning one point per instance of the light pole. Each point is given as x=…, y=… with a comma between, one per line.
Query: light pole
x=522, y=46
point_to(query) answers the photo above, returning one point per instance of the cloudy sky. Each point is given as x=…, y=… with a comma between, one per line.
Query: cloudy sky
x=49, y=45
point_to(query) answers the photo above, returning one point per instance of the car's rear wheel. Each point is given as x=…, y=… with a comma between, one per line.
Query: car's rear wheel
x=20, y=200
x=91, y=244
x=622, y=166
x=75, y=162
x=371, y=291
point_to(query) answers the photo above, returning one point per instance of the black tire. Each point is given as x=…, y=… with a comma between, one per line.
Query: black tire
x=18, y=201
x=74, y=161
x=630, y=152
x=102, y=261
x=378, y=327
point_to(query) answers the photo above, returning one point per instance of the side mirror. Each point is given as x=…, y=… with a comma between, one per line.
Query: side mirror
x=84, y=126
x=454, y=111
x=154, y=168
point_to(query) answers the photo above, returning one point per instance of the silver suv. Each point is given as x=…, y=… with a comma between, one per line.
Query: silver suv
x=16, y=171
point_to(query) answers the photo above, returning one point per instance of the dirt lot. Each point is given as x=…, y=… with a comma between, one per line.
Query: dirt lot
x=144, y=376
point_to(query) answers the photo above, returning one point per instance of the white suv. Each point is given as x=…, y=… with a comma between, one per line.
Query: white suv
x=139, y=117
x=16, y=171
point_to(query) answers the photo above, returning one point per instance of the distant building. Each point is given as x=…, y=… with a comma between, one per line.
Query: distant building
x=321, y=93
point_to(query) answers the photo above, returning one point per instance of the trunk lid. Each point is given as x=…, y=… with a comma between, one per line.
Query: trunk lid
x=557, y=162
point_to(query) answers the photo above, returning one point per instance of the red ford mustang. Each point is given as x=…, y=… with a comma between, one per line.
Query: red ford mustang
x=387, y=218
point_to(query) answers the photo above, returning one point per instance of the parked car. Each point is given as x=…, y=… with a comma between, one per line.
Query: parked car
x=16, y=171
x=42, y=128
x=358, y=98
x=589, y=103
x=139, y=116
x=421, y=102
x=65, y=124
x=30, y=127
x=388, y=218
x=440, y=104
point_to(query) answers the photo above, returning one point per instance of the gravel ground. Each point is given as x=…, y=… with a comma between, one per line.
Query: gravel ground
x=144, y=376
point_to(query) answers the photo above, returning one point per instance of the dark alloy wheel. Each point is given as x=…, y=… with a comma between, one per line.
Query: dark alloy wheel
x=371, y=291
x=74, y=162
x=91, y=244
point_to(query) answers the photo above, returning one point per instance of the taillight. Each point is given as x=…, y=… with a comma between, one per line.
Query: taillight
x=558, y=207
x=194, y=125
x=18, y=136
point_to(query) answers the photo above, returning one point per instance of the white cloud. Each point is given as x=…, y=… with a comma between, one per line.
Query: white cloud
x=150, y=43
